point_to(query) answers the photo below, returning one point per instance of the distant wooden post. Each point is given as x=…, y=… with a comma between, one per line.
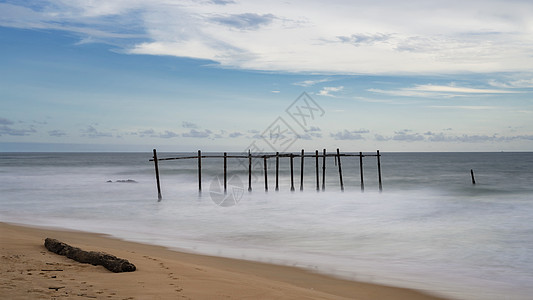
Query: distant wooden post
x=159, y=197
x=199, y=170
x=340, y=169
x=472, y=174
x=249, y=171
x=324, y=171
x=292, y=173
x=277, y=171
x=302, y=171
x=379, y=172
x=225, y=172
x=316, y=171
x=361, y=171
x=266, y=176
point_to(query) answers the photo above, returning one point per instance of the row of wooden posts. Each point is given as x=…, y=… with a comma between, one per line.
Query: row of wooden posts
x=277, y=155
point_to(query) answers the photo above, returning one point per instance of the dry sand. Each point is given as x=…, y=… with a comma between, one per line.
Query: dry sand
x=29, y=271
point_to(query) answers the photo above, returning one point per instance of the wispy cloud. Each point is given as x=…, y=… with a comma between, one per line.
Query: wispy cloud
x=512, y=84
x=364, y=39
x=308, y=83
x=440, y=137
x=92, y=132
x=193, y=133
x=282, y=36
x=328, y=90
x=57, y=133
x=457, y=89
x=4, y=121
x=349, y=134
x=429, y=90
x=466, y=107
x=246, y=21
x=235, y=134
x=168, y=134
x=8, y=130
x=186, y=124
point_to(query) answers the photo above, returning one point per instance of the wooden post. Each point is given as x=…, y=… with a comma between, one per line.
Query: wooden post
x=266, y=176
x=199, y=171
x=159, y=197
x=340, y=169
x=472, y=174
x=361, y=171
x=316, y=171
x=379, y=172
x=324, y=171
x=302, y=171
x=277, y=171
x=249, y=171
x=225, y=173
x=292, y=174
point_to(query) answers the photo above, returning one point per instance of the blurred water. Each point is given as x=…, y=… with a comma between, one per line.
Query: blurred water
x=430, y=229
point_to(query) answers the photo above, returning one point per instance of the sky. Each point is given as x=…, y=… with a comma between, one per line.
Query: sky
x=223, y=75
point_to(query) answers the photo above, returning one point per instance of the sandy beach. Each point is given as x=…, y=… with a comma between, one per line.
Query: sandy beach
x=29, y=271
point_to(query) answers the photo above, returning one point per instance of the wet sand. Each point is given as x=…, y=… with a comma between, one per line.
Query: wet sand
x=30, y=271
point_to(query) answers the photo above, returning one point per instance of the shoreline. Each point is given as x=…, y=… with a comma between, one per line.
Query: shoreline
x=30, y=271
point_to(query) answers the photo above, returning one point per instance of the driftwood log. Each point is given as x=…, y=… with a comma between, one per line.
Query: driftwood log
x=110, y=262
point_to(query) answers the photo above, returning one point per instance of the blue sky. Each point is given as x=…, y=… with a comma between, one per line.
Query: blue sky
x=231, y=75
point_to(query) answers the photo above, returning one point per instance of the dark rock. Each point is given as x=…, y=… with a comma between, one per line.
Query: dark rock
x=110, y=262
x=127, y=181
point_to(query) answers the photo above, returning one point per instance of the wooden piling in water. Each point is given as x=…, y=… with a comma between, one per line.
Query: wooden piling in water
x=379, y=172
x=265, y=157
x=302, y=171
x=277, y=171
x=361, y=171
x=324, y=171
x=159, y=197
x=266, y=176
x=199, y=171
x=472, y=174
x=292, y=173
x=340, y=169
x=249, y=171
x=225, y=172
x=316, y=171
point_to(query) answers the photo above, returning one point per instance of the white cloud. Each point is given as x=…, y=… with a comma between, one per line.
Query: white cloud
x=429, y=90
x=457, y=89
x=467, y=107
x=308, y=83
x=519, y=83
x=366, y=36
x=326, y=91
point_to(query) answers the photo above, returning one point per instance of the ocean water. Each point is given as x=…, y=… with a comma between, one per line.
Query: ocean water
x=429, y=229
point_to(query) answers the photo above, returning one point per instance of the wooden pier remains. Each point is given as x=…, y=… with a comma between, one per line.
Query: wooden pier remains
x=337, y=156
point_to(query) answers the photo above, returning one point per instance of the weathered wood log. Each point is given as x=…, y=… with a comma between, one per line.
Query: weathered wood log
x=110, y=262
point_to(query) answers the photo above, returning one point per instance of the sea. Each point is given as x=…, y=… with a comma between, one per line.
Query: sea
x=430, y=228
